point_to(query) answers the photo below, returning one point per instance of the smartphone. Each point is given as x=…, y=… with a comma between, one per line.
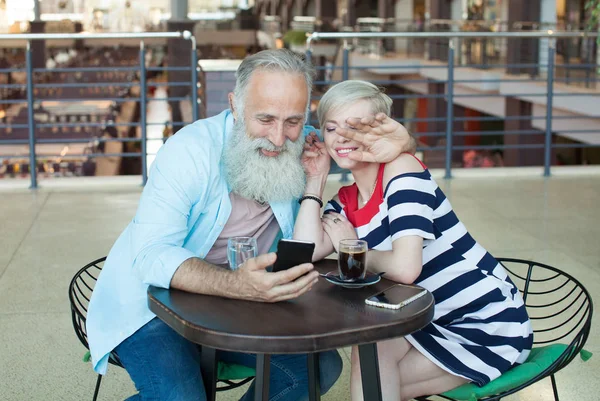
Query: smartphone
x=291, y=252
x=396, y=296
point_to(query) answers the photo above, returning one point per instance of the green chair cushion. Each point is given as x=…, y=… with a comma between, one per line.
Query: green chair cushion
x=539, y=359
x=230, y=371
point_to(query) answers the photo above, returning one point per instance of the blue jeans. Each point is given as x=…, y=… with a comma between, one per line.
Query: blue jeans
x=164, y=366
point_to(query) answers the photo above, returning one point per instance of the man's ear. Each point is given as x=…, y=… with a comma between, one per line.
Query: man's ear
x=231, y=98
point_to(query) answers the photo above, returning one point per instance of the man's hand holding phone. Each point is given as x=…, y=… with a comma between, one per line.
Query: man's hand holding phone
x=291, y=252
x=255, y=283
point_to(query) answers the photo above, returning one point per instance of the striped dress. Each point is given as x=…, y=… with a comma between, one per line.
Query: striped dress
x=480, y=328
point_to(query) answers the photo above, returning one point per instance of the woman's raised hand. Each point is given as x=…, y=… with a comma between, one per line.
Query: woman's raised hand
x=383, y=137
x=315, y=159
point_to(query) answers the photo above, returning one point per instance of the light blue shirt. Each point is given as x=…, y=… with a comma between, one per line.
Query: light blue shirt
x=182, y=211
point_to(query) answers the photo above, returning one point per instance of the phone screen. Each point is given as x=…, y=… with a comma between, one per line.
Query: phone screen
x=396, y=294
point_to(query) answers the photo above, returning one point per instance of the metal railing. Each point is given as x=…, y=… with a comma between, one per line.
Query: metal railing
x=442, y=69
x=85, y=79
x=481, y=50
x=444, y=133
x=437, y=24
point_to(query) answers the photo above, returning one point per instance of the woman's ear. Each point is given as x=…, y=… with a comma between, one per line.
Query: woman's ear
x=231, y=98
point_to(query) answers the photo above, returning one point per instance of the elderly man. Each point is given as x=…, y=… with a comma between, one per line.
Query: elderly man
x=235, y=174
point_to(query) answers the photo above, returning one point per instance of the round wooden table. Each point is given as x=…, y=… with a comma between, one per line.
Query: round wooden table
x=328, y=317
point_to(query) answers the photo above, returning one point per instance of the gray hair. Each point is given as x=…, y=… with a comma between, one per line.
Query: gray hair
x=351, y=91
x=270, y=60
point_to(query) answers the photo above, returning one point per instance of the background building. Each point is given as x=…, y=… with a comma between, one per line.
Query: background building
x=499, y=117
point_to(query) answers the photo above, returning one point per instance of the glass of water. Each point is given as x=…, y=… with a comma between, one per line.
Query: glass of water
x=239, y=250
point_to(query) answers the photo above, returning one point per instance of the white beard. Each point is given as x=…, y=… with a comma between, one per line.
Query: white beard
x=263, y=179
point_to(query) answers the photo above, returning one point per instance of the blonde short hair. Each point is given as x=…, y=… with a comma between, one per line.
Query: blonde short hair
x=351, y=91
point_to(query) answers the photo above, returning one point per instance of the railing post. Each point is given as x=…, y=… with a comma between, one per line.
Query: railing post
x=345, y=61
x=308, y=56
x=484, y=55
x=345, y=76
x=143, y=111
x=589, y=59
x=449, y=107
x=30, y=117
x=568, y=60
x=549, y=97
x=195, y=85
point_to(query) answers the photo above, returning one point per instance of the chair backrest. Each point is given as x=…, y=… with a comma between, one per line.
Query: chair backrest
x=559, y=306
x=80, y=293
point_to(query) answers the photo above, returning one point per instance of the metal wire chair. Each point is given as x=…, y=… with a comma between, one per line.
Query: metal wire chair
x=560, y=309
x=80, y=293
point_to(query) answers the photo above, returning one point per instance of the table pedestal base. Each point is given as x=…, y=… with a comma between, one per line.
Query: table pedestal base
x=208, y=368
x=369, y=372
x=263, y=373
x=314, y=378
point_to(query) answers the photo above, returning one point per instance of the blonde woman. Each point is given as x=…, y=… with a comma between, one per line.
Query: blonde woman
x=480, y=328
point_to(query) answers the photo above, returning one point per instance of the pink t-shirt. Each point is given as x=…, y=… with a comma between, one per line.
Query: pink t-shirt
x=248, y=219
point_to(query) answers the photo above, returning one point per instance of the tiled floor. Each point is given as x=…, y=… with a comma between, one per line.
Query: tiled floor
x=46, y=235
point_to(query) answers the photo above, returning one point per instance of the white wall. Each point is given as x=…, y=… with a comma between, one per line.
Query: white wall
x=562, y=125
x=403, y=10
x=456, y=11
x=547, y=15
x=502, y=44
x=504, y=10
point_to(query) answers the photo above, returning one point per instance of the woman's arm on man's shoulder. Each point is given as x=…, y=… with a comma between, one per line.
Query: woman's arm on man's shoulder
x=383, y=137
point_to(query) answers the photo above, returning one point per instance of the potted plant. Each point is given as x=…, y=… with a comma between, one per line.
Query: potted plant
x=296, y=41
